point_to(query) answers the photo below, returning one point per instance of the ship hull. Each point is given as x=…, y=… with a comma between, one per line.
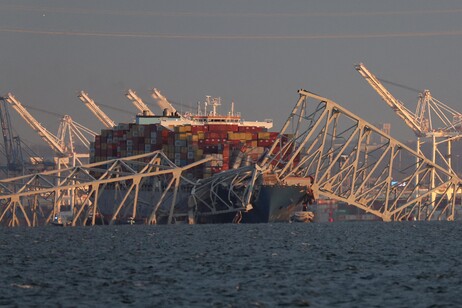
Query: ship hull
x=273, y=203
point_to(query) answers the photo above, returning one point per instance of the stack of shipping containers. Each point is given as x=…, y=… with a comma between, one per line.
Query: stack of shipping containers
x=229, y=145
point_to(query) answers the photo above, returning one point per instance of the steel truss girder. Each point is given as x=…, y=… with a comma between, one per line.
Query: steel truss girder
x=225, y=192
x=35, y=199
x=353, y=161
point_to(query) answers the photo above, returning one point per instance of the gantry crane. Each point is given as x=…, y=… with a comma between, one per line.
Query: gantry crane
x=70, y=130
x=138, y=103
x=421, y=121
x=20, y=158
x=446, y=130
x=432, y=119
x=13, y=152
x=83, y=96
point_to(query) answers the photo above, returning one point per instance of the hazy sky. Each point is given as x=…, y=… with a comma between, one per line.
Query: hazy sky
x=255, y=52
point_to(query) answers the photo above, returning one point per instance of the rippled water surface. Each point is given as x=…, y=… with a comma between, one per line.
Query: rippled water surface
x=264, y=265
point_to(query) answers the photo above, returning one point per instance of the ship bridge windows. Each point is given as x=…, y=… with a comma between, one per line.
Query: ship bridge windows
x=223, y=120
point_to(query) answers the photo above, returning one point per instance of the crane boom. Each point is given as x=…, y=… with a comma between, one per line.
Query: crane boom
x=55, y=144
x=96, y=110
x=162, y=101
x=138, y=102
x=405, y=114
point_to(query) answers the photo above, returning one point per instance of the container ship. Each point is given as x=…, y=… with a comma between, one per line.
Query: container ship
x=227, y=140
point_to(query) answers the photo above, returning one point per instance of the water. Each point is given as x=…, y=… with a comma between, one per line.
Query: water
x=262, y=265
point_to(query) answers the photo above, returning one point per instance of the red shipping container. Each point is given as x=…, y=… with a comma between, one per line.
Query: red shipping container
x=210, y=141
x=242, y=129
x=212, y=135
x=165, y=133
x=233, y=128
x=197, y=128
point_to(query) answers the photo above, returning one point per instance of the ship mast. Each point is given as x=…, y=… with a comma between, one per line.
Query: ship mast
x=214, y=102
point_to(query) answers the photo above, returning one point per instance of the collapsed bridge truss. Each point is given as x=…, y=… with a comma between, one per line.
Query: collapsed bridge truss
x=143, y=187
x=352, y=161
x=341, y=157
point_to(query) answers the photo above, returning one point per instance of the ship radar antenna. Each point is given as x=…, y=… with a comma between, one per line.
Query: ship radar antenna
x=215, y=102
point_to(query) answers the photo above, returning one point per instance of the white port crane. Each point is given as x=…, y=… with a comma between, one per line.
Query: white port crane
x=162, y=101
x=12, y=144
x=432, y=120
x=103, y=117
x=68, y=132
x=138, y=103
